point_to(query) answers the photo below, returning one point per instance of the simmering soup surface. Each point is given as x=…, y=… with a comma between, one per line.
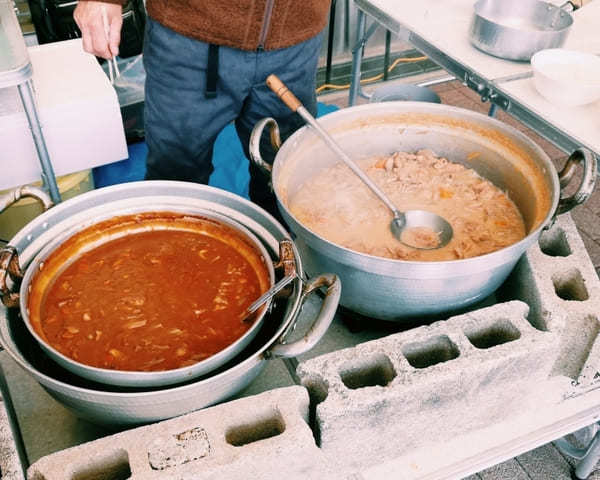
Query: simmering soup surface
x=153, y=300
x=336, y=205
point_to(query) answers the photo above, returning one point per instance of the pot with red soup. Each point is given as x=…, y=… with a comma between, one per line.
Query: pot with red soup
x=287, y=329
x=496, y=187
x=151, y=298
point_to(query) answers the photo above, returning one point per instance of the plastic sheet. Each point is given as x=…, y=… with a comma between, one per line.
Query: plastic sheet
x=130, y=84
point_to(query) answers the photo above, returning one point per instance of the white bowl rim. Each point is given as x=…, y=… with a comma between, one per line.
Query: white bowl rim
x=563, y=53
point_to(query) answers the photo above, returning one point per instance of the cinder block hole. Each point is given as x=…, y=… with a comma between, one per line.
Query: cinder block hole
x=553, y=242
x=114, y=466
x=268, y=426
x=318, y=390
x=584, y=333
x=430, y=352
x=374, y=370
x=570, y=285
x=487, y=336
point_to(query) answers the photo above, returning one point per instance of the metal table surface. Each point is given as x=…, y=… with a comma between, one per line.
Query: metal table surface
x=440, y=31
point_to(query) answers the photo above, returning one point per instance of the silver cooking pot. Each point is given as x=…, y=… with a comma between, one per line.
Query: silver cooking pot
x=395, y=289
x=126, y=406
x=62, y=251
x=516, y=29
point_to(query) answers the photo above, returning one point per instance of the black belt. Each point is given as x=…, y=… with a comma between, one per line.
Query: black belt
x=212, y=71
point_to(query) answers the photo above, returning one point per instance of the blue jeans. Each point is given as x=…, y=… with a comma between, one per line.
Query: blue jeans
x=181, y=125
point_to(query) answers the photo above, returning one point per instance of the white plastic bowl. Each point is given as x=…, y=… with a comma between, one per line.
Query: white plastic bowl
x=567, y=77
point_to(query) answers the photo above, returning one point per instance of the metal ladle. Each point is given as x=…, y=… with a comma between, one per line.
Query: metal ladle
x=287, y=261
x=401, y=221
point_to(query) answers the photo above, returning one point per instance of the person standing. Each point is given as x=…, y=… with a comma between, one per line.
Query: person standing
x=206, y=63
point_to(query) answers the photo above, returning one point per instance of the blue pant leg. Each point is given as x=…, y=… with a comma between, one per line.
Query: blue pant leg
x=297, y=67
x=181, y=124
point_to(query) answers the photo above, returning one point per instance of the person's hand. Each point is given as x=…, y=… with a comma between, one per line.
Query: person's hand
x=88, y=16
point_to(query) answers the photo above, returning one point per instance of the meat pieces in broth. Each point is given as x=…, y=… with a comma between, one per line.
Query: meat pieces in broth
x=336, y=205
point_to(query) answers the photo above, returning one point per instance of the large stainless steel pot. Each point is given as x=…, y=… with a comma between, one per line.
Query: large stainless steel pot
x=516, y=29
x=54, y=258
x=122, y=406
x=394, y=289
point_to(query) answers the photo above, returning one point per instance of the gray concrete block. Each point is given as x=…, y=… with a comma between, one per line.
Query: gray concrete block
x=263, y=436
x=387, y=396
x=10, y=462
x=565, y=278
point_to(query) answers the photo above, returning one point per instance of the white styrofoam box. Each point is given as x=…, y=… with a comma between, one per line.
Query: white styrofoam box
x=78, y=110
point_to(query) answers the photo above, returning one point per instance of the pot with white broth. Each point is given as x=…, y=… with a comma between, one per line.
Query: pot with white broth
x=388, y=281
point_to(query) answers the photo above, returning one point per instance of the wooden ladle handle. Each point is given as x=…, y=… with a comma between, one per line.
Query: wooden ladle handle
x=282, y=92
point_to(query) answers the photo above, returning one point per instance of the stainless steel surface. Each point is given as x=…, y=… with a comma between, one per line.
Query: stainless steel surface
x=288, y=262
x=516, y=29
x=397, y=290
x=588, y=161
x=125, y=406
x=269, y=294
x=10, y=270
x=48, y=178
x=15, y=77
x=15, y=194
x=140, y=379
x=404, y=92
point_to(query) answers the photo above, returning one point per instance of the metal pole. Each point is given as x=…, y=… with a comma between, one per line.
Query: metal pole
x=330, y=42
x=386, y=56
x=357, y=53
x=48, y=178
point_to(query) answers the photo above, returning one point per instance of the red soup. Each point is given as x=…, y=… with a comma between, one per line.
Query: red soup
x=155, y=299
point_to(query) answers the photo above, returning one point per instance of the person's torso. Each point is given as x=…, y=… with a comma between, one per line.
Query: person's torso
x=244, y=24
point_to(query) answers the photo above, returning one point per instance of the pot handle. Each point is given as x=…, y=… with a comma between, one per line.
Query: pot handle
x=16, y=194
x=321, y=322
x=255, y=137
x=586, y=187
x=573, y=5
x=9, y=267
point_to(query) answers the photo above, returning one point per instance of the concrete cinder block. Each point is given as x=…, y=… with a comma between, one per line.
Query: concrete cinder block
x=10, y=461
x=264, y=436
x=557, y=278
x=384, y=397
